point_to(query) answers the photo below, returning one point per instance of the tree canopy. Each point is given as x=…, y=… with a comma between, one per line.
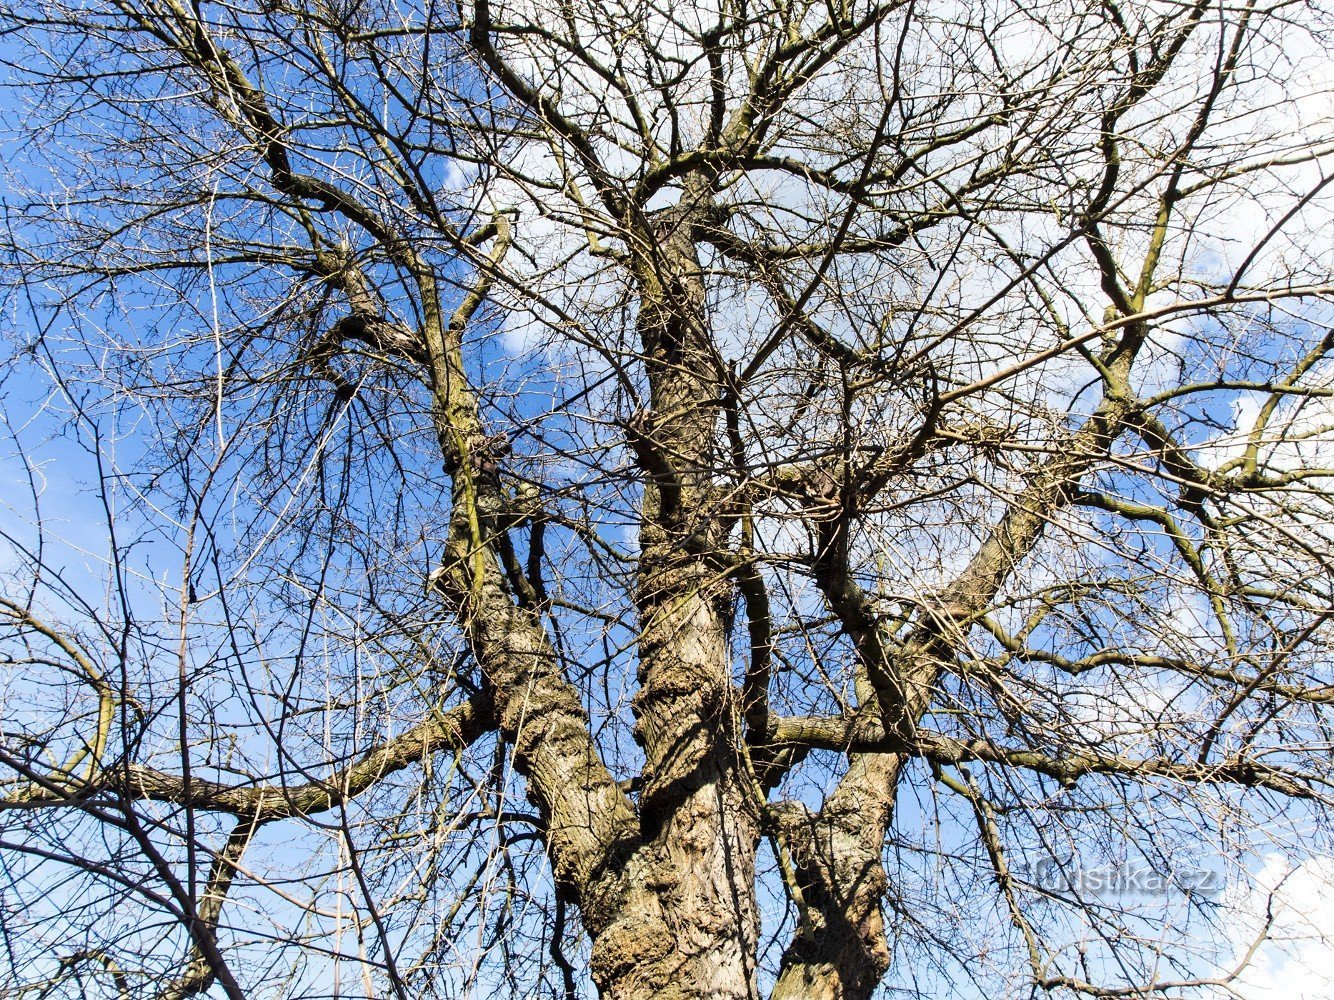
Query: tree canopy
x=705, y=500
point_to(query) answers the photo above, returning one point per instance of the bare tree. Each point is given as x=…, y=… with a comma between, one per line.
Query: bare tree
x=686, y=500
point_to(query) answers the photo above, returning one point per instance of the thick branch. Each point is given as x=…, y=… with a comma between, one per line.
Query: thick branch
x=867, y=735
x=453, y=729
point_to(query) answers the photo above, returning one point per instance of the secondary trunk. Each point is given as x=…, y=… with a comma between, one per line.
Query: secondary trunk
x=840, y=952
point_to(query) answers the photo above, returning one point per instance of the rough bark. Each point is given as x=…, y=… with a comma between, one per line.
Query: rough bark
x=589, y=824
x=687, y=923
x=839, y=951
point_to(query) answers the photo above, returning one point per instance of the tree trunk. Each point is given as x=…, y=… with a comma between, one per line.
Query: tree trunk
x=687, y=924
x=839, y=952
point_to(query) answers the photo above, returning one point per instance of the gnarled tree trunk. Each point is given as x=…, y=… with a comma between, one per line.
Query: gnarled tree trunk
x=687, y=925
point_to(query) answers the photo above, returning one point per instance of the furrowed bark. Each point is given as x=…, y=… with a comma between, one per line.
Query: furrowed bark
x=839, y=950
x=687, y=926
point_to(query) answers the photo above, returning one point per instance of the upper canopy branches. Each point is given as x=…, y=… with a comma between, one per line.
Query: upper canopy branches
x=601, y=403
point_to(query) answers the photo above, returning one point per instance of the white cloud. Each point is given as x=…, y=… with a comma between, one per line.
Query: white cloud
x=1296, y=959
